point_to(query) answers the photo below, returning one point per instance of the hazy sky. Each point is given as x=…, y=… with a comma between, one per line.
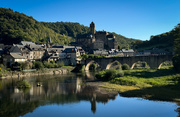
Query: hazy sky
x=137, y=19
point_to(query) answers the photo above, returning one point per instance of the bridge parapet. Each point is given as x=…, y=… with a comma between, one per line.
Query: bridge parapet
x=153, y=61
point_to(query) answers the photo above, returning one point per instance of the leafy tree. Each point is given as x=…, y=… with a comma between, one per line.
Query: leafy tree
x=125, y=67
x=16, y=27
x=176, y=58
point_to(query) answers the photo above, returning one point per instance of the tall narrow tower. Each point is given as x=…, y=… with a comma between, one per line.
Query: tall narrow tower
x=92, y=28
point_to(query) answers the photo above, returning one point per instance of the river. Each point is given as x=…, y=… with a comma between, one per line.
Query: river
x=68, y=96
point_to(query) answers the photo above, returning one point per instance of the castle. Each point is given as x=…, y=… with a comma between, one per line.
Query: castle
x=97, y=39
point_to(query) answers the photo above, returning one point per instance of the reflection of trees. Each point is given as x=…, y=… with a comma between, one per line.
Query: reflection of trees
x=9, y=108
x=178, y=109
x=14, y=102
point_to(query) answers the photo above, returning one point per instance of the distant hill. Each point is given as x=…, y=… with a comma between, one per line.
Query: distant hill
x=67, y=28
x=124, y=42
x=72, y=29
x=164, y=41
x=16, y=27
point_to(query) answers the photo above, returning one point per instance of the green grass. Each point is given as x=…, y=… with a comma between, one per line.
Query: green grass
x=163, y=84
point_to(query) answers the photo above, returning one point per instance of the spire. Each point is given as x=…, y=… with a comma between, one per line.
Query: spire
x=49, y=39
x=92, y=28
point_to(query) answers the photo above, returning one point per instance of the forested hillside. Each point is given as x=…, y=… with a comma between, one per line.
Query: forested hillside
x=17, y=26
x=67, y=28
x=164, y=41
x=124, y=42
x=72, y=29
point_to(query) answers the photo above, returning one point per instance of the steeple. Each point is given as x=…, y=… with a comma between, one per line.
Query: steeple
x=92, y=28
x=49, y=40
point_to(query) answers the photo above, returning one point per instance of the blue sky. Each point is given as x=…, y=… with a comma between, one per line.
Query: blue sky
x=137, y=19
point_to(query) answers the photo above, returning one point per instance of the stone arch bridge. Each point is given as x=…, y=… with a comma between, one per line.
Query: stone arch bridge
x=154, y=62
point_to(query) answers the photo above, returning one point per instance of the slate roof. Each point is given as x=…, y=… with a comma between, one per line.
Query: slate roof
x=127, y=50
x=17, y=55
x=70, y=50
x=27, y=43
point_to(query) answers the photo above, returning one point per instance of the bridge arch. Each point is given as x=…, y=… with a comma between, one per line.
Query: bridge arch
x=164, y=62
x=115, y=63
x=142, y=62
x=89, y=64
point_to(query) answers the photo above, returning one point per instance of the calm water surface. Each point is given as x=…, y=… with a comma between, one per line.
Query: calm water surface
x=66, y=96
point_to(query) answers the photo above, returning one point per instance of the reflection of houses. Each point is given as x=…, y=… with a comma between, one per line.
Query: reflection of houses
x=54, y=91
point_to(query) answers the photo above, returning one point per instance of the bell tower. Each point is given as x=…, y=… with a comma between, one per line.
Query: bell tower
x=92, y=28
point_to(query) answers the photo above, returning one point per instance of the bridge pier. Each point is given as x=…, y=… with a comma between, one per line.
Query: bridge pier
x=153, y=61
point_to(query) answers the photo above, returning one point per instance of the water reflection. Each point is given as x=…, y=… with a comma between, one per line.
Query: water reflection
x=54, y=89
x=60, y=90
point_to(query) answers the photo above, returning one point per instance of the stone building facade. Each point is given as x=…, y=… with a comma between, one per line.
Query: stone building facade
x=97, y=39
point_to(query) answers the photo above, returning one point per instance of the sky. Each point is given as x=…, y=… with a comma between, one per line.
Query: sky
x=138, y=19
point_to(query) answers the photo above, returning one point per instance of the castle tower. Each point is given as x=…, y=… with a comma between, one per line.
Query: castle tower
x=92, y=28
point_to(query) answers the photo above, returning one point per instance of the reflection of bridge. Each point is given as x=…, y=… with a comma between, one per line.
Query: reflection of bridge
x=106, y=63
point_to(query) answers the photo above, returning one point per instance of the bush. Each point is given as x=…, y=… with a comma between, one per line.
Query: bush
x=125, y=67
x=109, y=74
x=26, y=65
x=60, y=64
x=93, y=67
x=38, y=65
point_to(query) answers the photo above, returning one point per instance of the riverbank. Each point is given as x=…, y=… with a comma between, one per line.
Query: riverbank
x=163, y=84
x=45, y=71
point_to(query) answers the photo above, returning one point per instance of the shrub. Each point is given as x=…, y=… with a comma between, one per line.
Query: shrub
x=125, y=67
x=60, y=64
x=93, y=67
x=109, y=74
x=144, y=64
x=26, y=65
x=38, y=65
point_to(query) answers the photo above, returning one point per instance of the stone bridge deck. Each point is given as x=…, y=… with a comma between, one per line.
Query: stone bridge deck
x=105, y=63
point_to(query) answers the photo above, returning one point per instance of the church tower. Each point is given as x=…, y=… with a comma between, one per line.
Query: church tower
x=92, y=28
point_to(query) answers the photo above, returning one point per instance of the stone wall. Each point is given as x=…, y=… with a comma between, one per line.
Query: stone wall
x=16, y=74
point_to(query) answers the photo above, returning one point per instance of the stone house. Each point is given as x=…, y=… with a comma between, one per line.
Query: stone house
x=128, y=52
x=38, y=51
x=26, y=52
x=53, y=54
x=13, y=57
x=73, y=55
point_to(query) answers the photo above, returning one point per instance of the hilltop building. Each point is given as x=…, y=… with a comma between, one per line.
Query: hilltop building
x=97, y=39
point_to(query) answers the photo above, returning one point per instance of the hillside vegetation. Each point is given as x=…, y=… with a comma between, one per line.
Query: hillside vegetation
x=164, y=41
x=16, y=27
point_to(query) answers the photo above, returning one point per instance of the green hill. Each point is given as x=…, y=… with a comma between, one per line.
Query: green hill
x=67, y=28
x=164, y=41
x=72, y=29
x=16, y=27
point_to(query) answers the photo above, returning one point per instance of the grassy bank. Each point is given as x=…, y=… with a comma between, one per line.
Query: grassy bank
x=163, y=84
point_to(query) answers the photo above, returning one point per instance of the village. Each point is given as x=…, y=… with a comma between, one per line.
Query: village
x=99, y=43
x=69, y=55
